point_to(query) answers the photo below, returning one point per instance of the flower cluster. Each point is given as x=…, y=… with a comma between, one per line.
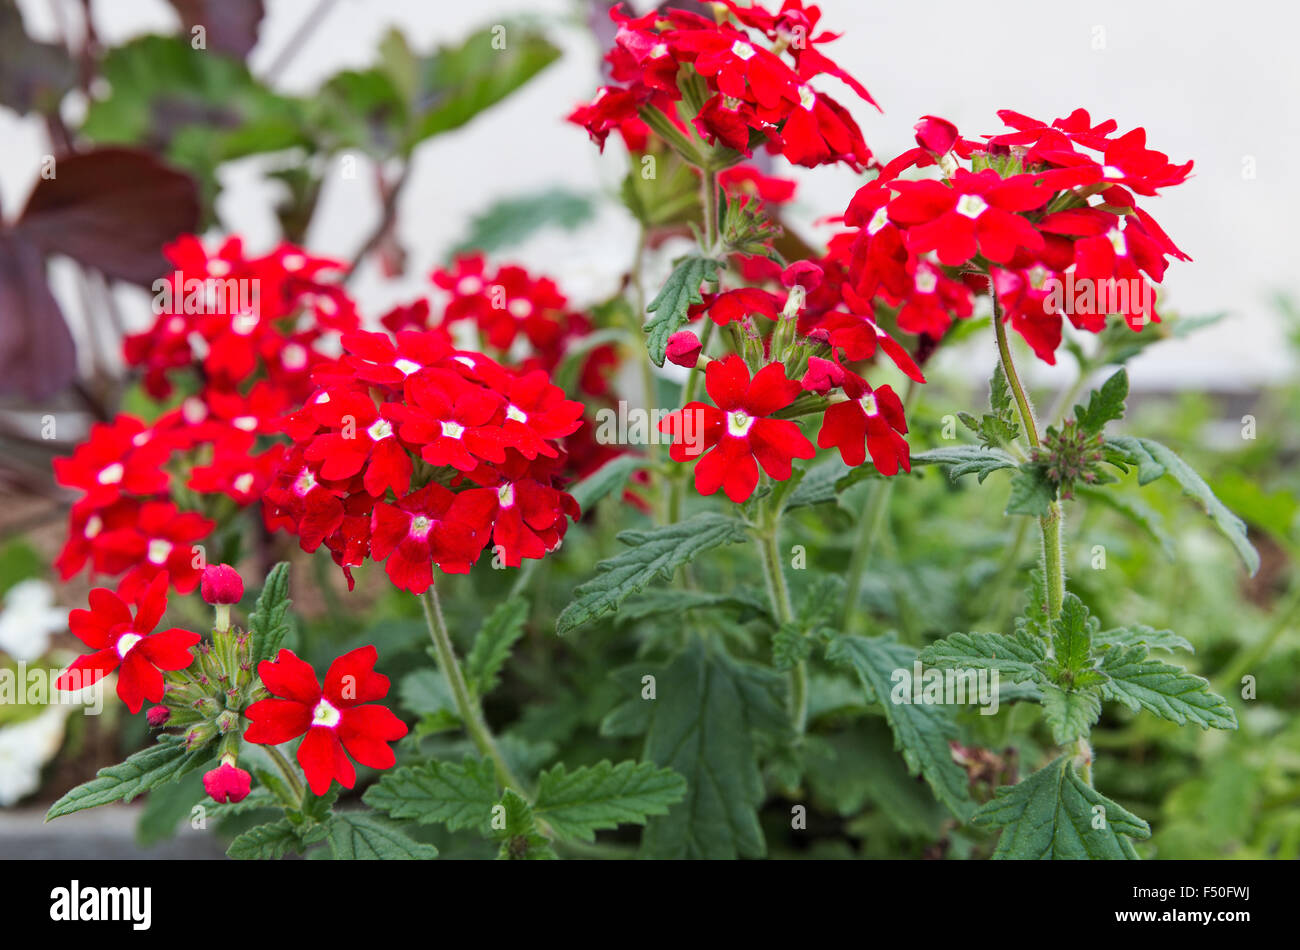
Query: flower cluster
x=752, y=73
x=234, y=343
x=1047, y=213
x=415, y=453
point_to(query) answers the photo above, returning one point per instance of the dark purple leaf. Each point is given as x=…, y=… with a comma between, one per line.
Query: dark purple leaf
x=32, y=75
x=37, y=355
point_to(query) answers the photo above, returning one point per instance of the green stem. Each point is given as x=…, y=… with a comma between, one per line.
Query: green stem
x=709, y=205
x=779, y=594
x=1050, y=523
x=470, y=713
x=289, y=772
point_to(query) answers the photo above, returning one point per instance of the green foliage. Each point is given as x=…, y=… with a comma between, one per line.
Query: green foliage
x=966, y=460
x=702, y=724
x=1055, y=814
x=511, y=221
x=458, y=796
x=999, y=427
x=1139, y=681
x=651, y=554
x=364, y=836
x=515, y=827
x=1016, y=657
x=270, y=621
x=165, y=761
x=1104, y=405
x=578, y=803
x=496, y=638
x=671, y=304
x=1032, y=493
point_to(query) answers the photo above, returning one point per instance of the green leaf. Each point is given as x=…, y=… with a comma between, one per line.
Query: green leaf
x=702, y=724
x=516, y=828
x=652, y=554
x=269, y=622
x=790, y=646
x=606, y=480
x=672, y=302
x=462, y=81
x=1154, y=460
x=1054, y=814
x=1104, y=405
x=922, y=732
x=364, y=836
x=511, y=221
x=492, y=647
x=1070, y=713
x=163, y=762
x=966, y=460
x=1031, y=492
x=1000, y=427
x=1135, y=511
x=660, y=602
x=577, y=804
x=1071, y=641
x=819, y=485
x=1012, y=656
x=458, y=796
x=1172, y=693
x=1142, y=634
x=267, y=842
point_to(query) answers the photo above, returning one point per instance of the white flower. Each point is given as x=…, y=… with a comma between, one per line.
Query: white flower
x=24, y=749
x=29, y=618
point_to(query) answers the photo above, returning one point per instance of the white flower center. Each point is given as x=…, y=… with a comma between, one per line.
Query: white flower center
x=1118, y=241
x=379, y=430
x=452, y=430
x=125, y=642
x=406, y=367
x=807, y=98
x=304, y=483
x=506, y=495
x=878, y=220
x=971, y=206
x=742, y=49
x=515, y=413
x=247, y=423
x=868, y=404
x=158, y=551
x=244, y=323
x=293, y=356
x=325, y=715
x=244, y=483
x=421, y=525
x=293, y=261
x=94, y=525
x=111, y=474
x=194, y=410
x=218, y=267
x=1111, y=173
x=520, y=308
x=469, y=285
x=926, y=280
x=738, y=423
x=659, y=51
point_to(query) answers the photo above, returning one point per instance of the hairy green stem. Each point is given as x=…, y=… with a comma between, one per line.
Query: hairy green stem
x=289, y=772
x=470, y=713
x=778, y=593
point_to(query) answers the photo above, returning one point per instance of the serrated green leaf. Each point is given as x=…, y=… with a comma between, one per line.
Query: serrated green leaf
x=1141, y=634
x=1172, y=693
x=1053, y=814
x=790, y=646
x=702, y=724
x=492, y=647
x=819, y=485
x=1031, y=492
x=966, y=460
x=1072, y=637
x=652, y=554
x=267, y=842
x=1104, y=405
x=269, y=622
x=577, y=804
x=606, y=480
x=163, y=762
x=1154, y=460
x=364, y=836
x=1070, y=713
x=517, y=830
x=1012, y=656
x=922, y=731
x=671, y=304
x=509, y=222
x=661, y=603
x=458, y=796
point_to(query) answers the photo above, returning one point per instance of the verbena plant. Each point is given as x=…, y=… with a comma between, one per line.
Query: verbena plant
x=410, y=449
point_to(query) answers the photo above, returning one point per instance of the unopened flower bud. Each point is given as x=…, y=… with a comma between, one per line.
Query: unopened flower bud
x=157, y=716
x=935, y=134
x=221, y=584
x=226, y=783
x=683, y=349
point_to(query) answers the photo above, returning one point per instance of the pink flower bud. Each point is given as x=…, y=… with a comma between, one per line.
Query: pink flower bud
x=221, y=584
x=157, y=716
x=804, y=273
x=935, y=134
x=683, y=348
x=822, y=375
x=227, y=783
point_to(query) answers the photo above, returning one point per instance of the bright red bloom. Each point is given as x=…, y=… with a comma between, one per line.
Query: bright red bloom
x=127, y=644
x=453, y=421
x=227, y=783
x=359, y=436
x=162, y=540
x=870, y=420
x=429, y=526
x=121, y=456
x=734, y=437
x=337, y=721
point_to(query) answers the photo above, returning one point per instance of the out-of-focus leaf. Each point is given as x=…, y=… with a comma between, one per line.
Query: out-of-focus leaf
x=37, y=355
x=511, y=221
x=32, y=75
x=230, y=26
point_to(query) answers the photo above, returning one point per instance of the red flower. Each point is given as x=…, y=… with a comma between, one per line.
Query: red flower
x=162, y=539
x=736, y=436
x=870, y=420
x=360, y=436
x=453, y=421
x=336, y=718
x=426, y=527
x=127, y=645
x=121, y=456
